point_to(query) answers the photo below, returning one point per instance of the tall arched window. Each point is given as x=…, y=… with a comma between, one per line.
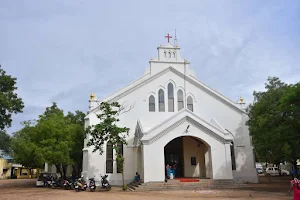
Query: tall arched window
x=161, y=101
x=170, y=97
x=152, y=103
x=190, y=103
x=109, y=158
x=180, y=100
x=232, y=156
x=120, y=152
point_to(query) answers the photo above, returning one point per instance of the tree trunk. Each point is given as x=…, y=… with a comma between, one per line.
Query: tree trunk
x=64, y=168
x=58, y=169
x=30, y=172
x=123, y=179
x=74, y=171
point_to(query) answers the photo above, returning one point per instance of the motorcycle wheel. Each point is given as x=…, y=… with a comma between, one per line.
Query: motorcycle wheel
x=108, y=188
x=92, y=190
x=76, y=189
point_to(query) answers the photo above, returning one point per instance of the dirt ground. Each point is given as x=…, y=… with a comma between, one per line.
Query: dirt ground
x=25, y=190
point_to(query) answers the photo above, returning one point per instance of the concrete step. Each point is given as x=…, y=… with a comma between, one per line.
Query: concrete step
x=177, y=185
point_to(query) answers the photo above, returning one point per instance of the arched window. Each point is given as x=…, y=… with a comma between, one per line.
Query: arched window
x=170, y=97
x=109, y=158
x=161, y=101
x=152, y=103
x=169, y=54
x=174, y=54
x=165, y=54
x=190, y=103
x=120, y=152
x=232, y=156
x=180, y=100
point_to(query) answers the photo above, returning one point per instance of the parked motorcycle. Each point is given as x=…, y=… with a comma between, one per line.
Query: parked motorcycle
x=56, y=183
x=67, y=184
x=92, y=184
x=80, y=185
x=104, y=182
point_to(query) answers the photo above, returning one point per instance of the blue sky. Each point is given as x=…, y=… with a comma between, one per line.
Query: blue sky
x=62, y=50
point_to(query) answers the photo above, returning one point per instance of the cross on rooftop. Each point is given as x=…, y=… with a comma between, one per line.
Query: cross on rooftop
x=168, y=36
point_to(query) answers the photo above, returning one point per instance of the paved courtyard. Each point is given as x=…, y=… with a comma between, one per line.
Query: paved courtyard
x=26, y=190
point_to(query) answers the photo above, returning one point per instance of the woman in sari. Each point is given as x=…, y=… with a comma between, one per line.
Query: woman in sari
x=295, y=185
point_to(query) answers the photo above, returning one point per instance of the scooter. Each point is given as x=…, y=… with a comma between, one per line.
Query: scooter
x=104, y=182
x=80, y=185
x=92, y=184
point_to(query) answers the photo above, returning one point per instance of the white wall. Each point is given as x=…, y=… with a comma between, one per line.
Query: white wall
x=206, y=106
x=191, y=148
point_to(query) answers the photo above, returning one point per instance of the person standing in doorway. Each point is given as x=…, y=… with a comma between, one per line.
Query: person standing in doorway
x=174, y=169
x=168, y=171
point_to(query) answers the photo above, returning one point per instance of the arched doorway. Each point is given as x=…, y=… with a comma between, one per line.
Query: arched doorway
x=191, y=156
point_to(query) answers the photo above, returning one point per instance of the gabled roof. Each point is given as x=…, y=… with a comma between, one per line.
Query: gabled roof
x=184, y=115
x=138, y=134
x=147, y=79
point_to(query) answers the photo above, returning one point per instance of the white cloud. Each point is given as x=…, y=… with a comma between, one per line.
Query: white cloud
x=63, y=50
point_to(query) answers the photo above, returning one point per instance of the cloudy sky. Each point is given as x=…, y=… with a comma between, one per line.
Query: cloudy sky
x=62, y=50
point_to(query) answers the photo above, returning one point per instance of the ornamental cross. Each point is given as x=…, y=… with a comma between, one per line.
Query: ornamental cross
x=168, y=36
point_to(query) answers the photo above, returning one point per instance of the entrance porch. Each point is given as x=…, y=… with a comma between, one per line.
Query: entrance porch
x=199, y=149
x=187, y=156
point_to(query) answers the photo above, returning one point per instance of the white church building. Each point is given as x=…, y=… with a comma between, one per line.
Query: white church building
x=174, y=118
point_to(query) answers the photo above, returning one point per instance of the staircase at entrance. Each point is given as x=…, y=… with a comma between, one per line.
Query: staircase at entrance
x=186, y=184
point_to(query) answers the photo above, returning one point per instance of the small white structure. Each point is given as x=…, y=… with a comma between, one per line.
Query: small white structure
x=174, y=119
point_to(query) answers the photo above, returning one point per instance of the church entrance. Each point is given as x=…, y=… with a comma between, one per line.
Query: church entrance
x=174, y=155
x=190, y=155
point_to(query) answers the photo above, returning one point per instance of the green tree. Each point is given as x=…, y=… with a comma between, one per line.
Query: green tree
x=78, y=136
x=5, y=141
x=273, y=122
x=109, y=131
x=25, y=149
x=9, y=101
x=290, y=110
x=55, y=138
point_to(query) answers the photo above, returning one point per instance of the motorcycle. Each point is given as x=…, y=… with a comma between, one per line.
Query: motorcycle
x=56, y=182
x=67, y=184
x=92, y=184
x=104, y=182
x=80, y=185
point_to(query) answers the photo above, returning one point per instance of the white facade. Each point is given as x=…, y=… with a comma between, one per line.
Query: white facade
x=208, y=127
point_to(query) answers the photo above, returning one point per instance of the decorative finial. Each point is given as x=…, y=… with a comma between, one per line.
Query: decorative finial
x=168, y=36
x=241, y=100
x=92, y=96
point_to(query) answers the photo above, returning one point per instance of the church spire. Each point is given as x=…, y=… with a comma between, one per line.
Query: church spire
x=175, y=40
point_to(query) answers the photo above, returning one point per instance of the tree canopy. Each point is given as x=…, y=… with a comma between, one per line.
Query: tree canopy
x=52, y=138
x=5, y=141
x=274, y=121
x=10, y=103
